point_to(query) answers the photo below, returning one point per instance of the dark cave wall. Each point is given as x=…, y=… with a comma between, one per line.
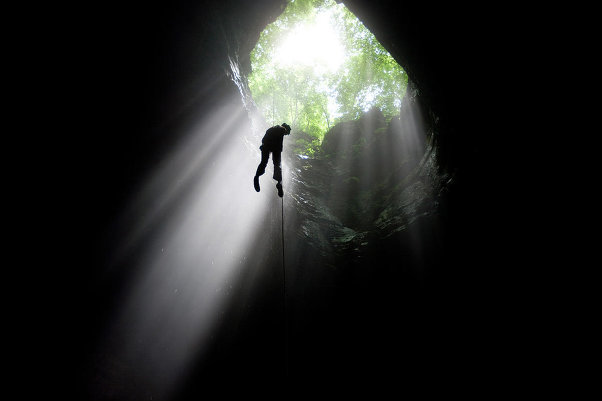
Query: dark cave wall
x=146, y=72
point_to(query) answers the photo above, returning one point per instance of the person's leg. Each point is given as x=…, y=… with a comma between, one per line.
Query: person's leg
x=265, y=155
x=277, y=159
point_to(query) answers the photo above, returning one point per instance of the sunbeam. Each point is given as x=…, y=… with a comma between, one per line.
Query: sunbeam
x=197, y=216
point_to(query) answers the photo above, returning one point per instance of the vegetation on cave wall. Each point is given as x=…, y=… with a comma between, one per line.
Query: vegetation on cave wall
x=318, y=65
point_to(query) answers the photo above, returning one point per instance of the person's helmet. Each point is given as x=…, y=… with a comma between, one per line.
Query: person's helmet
x=288, y=127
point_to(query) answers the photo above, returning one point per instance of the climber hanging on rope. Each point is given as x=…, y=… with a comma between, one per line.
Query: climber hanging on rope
x=272, y=142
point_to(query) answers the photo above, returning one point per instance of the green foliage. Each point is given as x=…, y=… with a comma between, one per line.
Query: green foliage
x=313, y=93
x=371, y=77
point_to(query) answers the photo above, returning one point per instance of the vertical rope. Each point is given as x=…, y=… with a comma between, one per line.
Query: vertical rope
x=284, y=298
x=283, y=271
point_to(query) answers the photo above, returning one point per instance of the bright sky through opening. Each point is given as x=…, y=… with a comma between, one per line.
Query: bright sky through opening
x=314, y=44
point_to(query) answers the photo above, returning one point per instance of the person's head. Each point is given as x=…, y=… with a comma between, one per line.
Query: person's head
x=287, y=127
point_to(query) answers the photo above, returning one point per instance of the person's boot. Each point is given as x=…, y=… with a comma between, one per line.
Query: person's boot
x=280, y=191
x=256, y=183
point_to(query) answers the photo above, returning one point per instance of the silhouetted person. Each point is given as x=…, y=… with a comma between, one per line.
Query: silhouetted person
x=272, y=143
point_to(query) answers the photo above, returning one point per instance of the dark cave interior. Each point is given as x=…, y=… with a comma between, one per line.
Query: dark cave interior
x=140, y=74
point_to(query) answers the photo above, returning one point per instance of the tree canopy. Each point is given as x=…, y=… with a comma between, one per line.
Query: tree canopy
x=318, y=65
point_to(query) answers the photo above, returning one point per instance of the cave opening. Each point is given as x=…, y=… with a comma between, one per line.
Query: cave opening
x=317, y=65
